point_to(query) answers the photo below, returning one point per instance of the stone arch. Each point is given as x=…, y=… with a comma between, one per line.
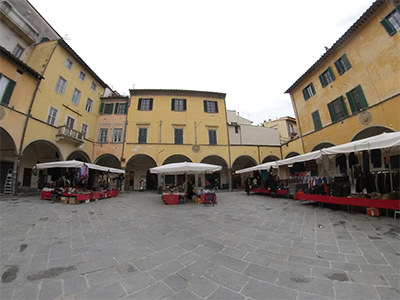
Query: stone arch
x=370, y=131
x=241, y=162
x=136, y=169
x=322, y=146
x=292, y=154
x=219, y=179
x=79, y=155
x=108, y=160
x=176, y=158
x=270, y=158
x=8, y=152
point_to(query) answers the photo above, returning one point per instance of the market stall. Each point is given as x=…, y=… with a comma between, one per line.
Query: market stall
x=176, y=195
x=74, y=188
x=361, y=173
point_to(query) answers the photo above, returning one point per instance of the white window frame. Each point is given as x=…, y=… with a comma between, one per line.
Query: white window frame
x=310, y=91
x=85, y=132
x=93, y=86
x=83, y=75
x=108, y=105
x=68, y=63
x=145, y=105
x=52, y=118
x=18, y=50
x=61, y=85
x=216, y=136
x=210, y=106
x=89, y=105
x=120, y=129
x=147, y=134
x=121, y=108
x=101, y=137
x=76, y=95
x=67, y=120
x=394, y=19
x=178, y=104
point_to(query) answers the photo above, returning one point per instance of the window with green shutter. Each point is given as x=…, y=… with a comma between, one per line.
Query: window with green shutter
x=145, y=104
x=392, y=21
x=210, y=106
x=327, y=77
x=343, y=64
x=308, y=91
x=120, y=108
x=337, y=109
x=178, y=104
x=107, y=108
x=316, y=120
x=6, y=89
x=357, y=100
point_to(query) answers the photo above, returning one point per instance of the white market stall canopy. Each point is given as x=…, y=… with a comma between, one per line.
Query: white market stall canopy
x=186, y=167
x=389, y=142
x=77, y=164
x=265, y=166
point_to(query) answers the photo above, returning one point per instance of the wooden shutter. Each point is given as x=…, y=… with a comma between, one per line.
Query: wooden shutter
x=142, y=135
x=346, y=114
x=205, y=105
x=360, y=95
x=339, y=67
x=331, y=73
x=101, y=108
x=178, y=136
x=112, y=108
x=139, y=106
x=346, y=61
x=312, y=88
x=216, y=106
x=184, y=104
x=388, y=26
x=212, y=136
x=352, y=104
x=322, y=79
x=151, y=104
x=331, y=112
x=116, y=108
x=316, y=120
x=305, y=94
x=8, y=92
x=172, y=104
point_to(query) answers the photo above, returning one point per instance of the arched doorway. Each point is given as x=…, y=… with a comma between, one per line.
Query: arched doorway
x=218, y=179
x=177, y=180
x=242, y=162
x=108, y=160
x=137, y=169
x=39, y=151
x=8, y=150
x=322, y=146
x=270, y=158
x=371, y=131
x=79, y=155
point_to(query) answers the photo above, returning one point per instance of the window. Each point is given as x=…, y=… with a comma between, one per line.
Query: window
x=84, y=130
x=18, y=51
x=106, y=108
x=212, y=136
x=308, y=91
x=61, y=84
x=337, y=109
x=76, y=96
x=178, y=134
x=103, y=135
x=82, y=76
x=51, y=117
x=68, y=63
x=357, y=100
x=210, y=106
x=142, y=135
x=93, y=86
x=392, y=21
x=178, y=104
x=117, y=135
x=89, y=105
x=6, y=89
x=236, y=129
x=70, y=122
x=121, y=108
x=145, y=104
x=342, y=64
x=327, y=77
x=316, y=120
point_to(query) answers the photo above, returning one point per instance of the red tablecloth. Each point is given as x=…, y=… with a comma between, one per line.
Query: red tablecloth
x=45, y=195
x=377, y=203
x=170, y=199
x=265, y=191
x=80, y=197
x=97, y=195
x=114, y=193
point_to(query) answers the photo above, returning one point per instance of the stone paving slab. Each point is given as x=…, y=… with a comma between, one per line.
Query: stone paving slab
x=246, y=247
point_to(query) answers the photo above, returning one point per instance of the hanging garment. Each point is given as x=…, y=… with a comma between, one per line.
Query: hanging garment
x=341, y=163
x=376, y=158
x=353, y=159
x=365, y=162
x=283, y=172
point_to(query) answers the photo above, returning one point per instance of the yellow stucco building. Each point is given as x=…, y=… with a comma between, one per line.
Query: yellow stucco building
x=353, y=90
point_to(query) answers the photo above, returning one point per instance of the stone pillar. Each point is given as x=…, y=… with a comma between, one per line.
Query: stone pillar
x=14, y=188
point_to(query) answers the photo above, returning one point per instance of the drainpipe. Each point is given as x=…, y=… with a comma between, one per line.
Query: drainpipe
x=229, y=153
x=298, y=121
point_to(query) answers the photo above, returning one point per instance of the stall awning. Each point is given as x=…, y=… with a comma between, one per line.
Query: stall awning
x=389, y=142
x=265, y=166
x=300, y=158
x=186, y=167
x=77, y=164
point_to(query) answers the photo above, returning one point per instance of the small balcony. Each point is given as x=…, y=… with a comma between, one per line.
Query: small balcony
x=293, y=132
x=13, y=19
x=64, y=132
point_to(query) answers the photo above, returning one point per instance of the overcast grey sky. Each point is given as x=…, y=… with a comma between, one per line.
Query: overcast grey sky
x=252, y=50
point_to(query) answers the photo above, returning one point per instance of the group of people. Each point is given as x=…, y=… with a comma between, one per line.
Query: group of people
x=189, y=185
x=271, y=182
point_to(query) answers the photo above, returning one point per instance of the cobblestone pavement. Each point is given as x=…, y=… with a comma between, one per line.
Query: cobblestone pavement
x=246, y=247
